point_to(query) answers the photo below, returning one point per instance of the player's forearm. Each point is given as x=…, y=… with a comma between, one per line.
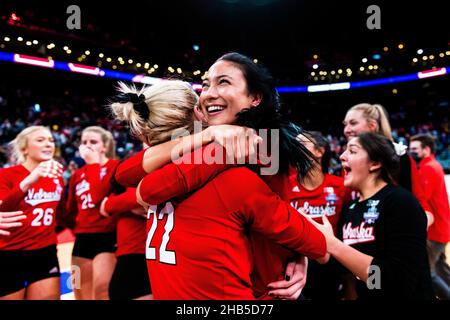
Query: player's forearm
x=290, y=229
x=26, y=183
x=161, y=185
x=355, y=261
x=157, y=156
x=124, y=202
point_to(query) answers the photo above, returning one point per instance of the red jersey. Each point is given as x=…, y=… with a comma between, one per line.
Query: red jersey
x=436, y=194
x=131, y=233
x=41, y=204
x=203, y=252
x=418, y=187
x=88, y=186
x=177, y=180
x=328, y=198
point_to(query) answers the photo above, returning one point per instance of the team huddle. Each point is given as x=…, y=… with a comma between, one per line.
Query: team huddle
x=154, y=227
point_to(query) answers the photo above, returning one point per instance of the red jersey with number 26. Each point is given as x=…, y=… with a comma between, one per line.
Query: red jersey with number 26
x=41, y=204
x=200, y=249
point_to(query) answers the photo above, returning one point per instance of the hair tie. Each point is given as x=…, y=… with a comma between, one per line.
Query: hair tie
x=138, y=102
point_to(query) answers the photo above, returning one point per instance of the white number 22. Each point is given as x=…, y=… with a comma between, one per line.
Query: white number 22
x=165, y=256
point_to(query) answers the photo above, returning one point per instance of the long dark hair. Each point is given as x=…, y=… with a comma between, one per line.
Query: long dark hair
x=319, y=142
x=267, y=115
x=381, y=149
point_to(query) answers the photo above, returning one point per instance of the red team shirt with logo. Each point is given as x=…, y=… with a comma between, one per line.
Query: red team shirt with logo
x=199, y=249
x=270, y=258
x=88, y=186
x=41, y=204
x=178, y=180
x=131, y=233
x=329, y=198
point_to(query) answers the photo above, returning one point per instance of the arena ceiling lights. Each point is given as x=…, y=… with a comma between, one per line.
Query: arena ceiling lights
x=94, y=71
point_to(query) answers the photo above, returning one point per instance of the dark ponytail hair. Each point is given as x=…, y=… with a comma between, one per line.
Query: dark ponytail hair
x=267, y=115
x=381, y=149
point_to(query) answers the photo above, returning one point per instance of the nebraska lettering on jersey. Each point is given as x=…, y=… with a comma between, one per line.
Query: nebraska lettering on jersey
x=327, y=199
x=40, y=204
x=40, y=196
x=82, y=187
x=357, y=234
x=362, y=232
x=315, y=211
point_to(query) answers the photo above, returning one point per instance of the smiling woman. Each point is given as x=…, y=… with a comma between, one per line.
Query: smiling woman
x=225, y=93
x=238, y=91
x=235, y=87
x=29, y=267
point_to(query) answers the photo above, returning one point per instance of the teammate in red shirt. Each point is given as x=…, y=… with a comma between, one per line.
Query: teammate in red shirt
x=95, y=242
x=328, y=195
x=203, y=242
x=229, y=207
x=126, y=113
x=29, y=266
x=238, y=85
x=318, y=194
x=130, y=278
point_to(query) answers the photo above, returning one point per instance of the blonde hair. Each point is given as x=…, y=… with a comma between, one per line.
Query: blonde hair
x=171, y=110
x=21, y=142
x=377, y=113
x=107, y=139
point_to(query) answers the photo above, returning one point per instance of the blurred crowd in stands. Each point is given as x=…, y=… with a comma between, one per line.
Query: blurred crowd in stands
x=67, y=116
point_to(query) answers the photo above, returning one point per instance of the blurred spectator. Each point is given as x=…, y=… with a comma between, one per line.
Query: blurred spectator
x=68, y=112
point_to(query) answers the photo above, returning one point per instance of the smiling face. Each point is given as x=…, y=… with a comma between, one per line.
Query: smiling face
x=356, y=164
x=40, y=146
x=355, y=123
x=225, y=93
